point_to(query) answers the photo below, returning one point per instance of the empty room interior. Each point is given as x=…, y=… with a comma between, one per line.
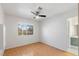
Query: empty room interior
x=39, y=29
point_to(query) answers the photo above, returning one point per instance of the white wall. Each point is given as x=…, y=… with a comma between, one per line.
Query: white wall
x=12, y=38
x=54, y=30
x=1, y=31
x=1, y=36
x=1, y=22
x=1, y=15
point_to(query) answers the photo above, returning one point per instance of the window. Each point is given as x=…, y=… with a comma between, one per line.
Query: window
x=25, y=29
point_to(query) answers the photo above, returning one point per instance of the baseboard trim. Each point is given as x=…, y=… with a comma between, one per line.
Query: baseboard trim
x=20, y=45
x=55, y=47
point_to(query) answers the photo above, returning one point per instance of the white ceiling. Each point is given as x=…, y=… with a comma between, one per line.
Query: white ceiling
x=24, y=9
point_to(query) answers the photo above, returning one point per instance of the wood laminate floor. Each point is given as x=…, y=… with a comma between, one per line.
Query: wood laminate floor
x=36, y=49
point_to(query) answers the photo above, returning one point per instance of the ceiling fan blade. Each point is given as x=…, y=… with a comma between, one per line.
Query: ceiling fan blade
x=42, y=15
x=33, y=13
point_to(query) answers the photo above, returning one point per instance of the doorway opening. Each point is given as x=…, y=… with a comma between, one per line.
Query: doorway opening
x=73, y=35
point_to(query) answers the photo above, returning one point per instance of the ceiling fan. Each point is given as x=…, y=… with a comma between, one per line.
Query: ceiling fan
x=37, y=13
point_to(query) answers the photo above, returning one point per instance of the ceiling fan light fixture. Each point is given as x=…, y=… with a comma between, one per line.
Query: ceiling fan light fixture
x=37, y=17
